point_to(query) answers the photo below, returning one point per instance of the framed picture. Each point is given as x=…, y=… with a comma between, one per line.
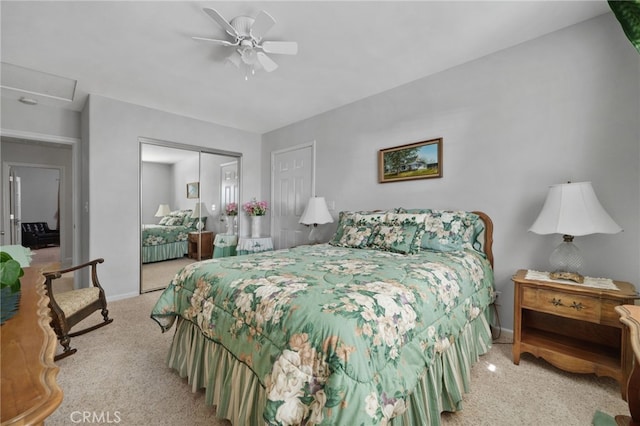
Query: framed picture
x=419, y=160
x=193, y=190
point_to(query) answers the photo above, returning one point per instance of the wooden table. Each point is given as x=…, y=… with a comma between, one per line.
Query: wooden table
x=29, y=389
x=200, y=245
x=573, y=327
x=630, y=316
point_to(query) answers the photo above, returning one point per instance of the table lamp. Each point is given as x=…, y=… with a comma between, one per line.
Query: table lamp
x=163, y=210
x=572, y=209
x=316, y=213
x=197, y=214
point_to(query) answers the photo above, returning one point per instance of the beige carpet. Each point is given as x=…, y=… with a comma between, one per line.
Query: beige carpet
x=157, y=275
x=121, y=368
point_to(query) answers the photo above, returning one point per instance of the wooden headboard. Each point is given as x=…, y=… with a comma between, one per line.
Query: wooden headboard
x=488, y=235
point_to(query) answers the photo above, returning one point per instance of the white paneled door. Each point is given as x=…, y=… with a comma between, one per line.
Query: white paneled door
x=292, y=181
x=228, y=185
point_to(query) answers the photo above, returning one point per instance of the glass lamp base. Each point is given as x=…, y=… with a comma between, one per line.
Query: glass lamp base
x=567, y=261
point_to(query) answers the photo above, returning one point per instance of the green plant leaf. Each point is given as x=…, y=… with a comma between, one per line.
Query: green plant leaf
x=628, y=14
x=10, y=273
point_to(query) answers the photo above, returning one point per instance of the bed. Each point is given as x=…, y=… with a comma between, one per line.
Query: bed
x=379, y=326
x=168, y=239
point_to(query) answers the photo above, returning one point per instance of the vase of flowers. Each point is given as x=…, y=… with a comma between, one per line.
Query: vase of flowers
x=255, y=209
x=231, y=212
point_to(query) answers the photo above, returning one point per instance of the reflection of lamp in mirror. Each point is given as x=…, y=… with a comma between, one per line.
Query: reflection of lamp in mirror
x=572, y=209
x=316, y=213
x=163, y=210
x=197, y=213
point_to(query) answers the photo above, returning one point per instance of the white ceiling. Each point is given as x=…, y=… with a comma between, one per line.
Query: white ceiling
x=142, y=52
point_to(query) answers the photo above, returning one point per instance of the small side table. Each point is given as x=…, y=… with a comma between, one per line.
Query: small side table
x=225, y=245
x=572, y=326
x=200, y=245
x=630, y=316
x=254, y=245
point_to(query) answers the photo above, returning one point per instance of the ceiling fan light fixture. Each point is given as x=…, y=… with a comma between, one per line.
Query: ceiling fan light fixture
x=250, y=54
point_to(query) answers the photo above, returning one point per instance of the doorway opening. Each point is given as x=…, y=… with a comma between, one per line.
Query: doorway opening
x=35, y=204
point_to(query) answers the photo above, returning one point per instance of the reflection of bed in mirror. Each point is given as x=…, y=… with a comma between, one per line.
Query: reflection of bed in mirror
x=168, y=239
x=166, y=169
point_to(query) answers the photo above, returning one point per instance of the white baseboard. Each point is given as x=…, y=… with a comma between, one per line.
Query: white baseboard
x=506, y=335
x=122, y=296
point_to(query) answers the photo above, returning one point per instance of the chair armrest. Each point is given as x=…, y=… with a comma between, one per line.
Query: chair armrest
x=54, y=275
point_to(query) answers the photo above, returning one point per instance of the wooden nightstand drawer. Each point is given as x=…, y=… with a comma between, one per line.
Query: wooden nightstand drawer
x=566, y=305
x=575, y=328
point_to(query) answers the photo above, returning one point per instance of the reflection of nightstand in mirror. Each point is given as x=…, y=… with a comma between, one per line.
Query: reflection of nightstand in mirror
x=200, y=245
x=254, y=245
x=225, y=245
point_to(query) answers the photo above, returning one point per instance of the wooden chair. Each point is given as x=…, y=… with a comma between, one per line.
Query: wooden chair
x=70, y=307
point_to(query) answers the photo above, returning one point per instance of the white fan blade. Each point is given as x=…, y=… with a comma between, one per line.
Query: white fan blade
x=222, y=42
x=213, y=14
x=280, y=47
x=261, y=25
x=266, y=62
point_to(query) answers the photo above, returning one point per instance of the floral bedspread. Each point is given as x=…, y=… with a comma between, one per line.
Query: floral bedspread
x=335, y=335
x=155, y=235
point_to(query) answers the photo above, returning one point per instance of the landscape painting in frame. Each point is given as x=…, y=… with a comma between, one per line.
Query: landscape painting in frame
x=193, y=190
x=419, y=160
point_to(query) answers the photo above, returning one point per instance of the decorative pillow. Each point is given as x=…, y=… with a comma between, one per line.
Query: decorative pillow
x=188, y=220
x=192, y=222
x=416, y=211
x=174, y=221
x=397, y=239
x=370, y=218
x=399, y=233
x=180, y=213
x=450, y=230
x=356, y=236
x=164, y=220
x=348, y=218
x=344, y=219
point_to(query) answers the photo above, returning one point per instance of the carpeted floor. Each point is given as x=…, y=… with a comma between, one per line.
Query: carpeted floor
x=120, y=370
x=157, y=275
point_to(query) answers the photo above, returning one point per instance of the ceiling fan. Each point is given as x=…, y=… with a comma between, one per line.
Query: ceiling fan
x=251, y=50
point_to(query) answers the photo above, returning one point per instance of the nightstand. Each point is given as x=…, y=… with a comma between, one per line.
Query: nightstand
x=200, y=245
x=248, y=245
x=572, y=326
x=225, y=245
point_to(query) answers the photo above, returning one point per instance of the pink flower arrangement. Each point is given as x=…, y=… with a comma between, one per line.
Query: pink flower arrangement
x=231, y=209
x=255, y=208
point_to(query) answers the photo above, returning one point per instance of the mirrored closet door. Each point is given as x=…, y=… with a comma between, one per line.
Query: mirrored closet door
x=184, y=191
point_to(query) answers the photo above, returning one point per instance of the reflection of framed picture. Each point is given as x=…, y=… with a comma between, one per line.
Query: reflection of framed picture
x=419, y=160
x=193, y=190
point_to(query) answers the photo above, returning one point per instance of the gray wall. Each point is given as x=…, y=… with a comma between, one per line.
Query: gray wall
x=558, y=108
x=39, y=194
x=113, y=154
x=156, y=189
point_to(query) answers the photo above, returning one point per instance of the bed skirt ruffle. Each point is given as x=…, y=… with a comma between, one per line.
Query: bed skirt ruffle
x=164, y=252
x=238, y=395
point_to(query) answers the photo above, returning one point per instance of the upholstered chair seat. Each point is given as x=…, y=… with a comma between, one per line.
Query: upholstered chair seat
x=70, y=307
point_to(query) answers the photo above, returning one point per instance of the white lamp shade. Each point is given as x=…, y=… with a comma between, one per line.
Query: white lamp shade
x=199, y=210
x=316, y=212
x=163, y=210
x=573, y=209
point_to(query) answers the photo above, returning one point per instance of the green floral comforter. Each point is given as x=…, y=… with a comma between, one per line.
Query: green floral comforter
x=335, y=335
x=155, y=235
